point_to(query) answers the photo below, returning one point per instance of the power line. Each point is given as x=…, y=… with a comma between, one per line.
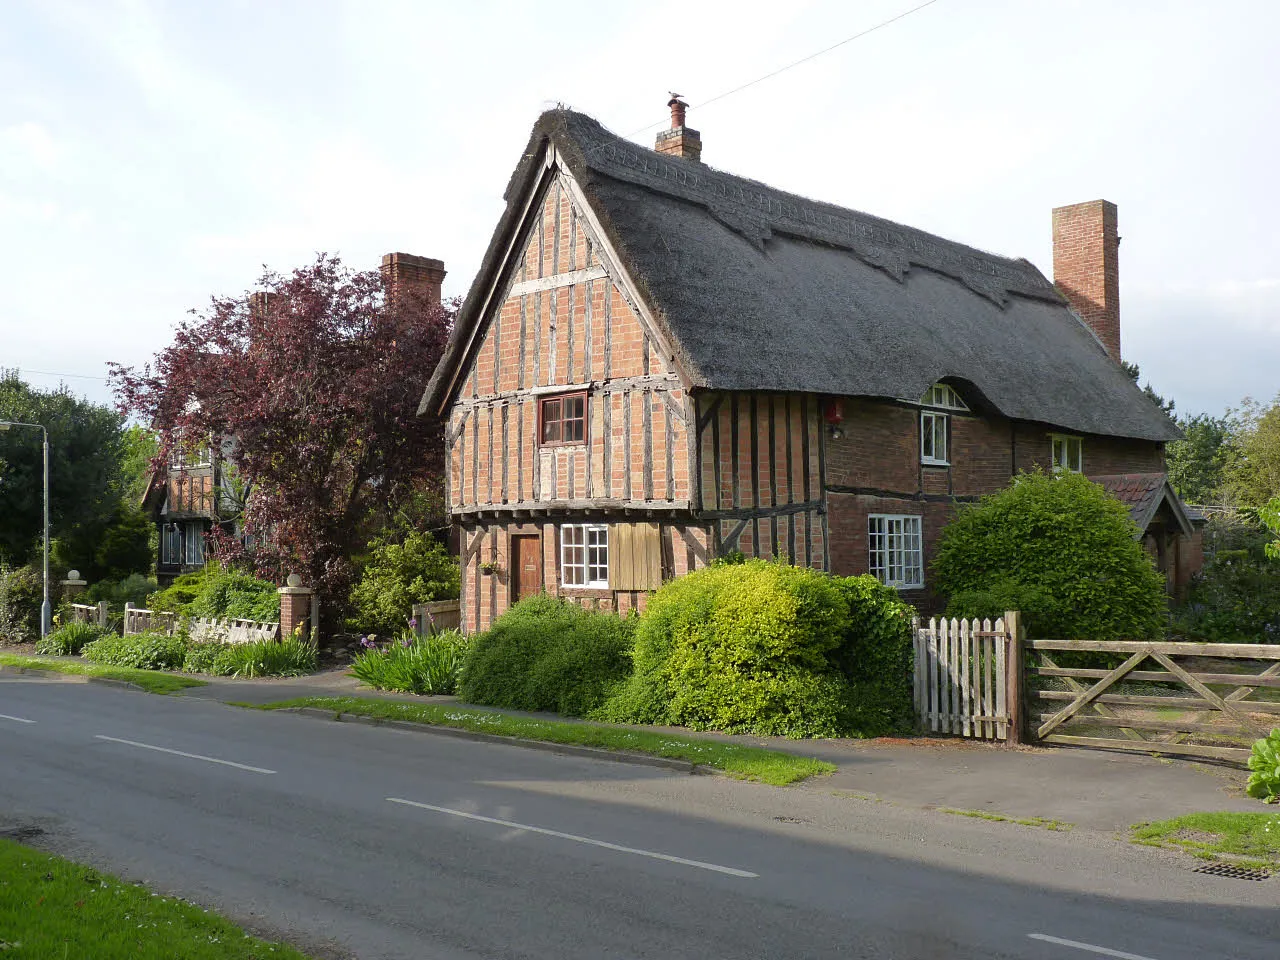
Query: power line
x=796, y=63
x=55, y=373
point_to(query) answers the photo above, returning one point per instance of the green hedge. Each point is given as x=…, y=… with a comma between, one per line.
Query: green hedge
x=221, y=595
x=547, y=654
x=766, y=648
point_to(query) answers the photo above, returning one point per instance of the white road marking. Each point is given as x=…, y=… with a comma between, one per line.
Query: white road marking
x=1089, y=947
x=179, y=753
x=731, y=871
x=5, y=716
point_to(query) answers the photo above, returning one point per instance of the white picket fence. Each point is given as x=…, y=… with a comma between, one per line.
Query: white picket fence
x=961, y=677
x=139, y=619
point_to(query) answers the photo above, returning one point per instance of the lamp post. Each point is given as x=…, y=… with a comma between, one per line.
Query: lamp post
x=46, y=609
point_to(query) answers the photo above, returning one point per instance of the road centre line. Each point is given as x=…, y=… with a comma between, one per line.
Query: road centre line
x=731, y=871
x=180, y=753
x=1089, y=947
x=5, y=716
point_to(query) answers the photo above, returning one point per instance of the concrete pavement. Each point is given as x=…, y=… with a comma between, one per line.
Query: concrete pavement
x=301, y=827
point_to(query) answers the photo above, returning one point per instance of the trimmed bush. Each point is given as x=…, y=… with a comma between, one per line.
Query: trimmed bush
x=69, y=639
x=743, y=647
x=547, y=654
x=144, y=651
x=989, y=603
x=426, y=665
x=876, y=657
x=221, y=595
x=395, y=577
x=21, y=594
x=1067, y=536
x=135, y=589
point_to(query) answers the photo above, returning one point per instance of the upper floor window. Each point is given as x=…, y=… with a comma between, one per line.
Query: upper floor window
x=201, y=456
x=896, y=550
x=943, y=395
x=933, y=438
x=563, y=419
x=1068, y=452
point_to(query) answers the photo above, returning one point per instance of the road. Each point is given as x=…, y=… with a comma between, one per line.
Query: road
x=375, y=843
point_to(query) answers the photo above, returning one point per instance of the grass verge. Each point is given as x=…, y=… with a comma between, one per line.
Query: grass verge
x=1060, y=826
x=745, y=763
x=1248, y=839
x=54, y=908
x=153, y=681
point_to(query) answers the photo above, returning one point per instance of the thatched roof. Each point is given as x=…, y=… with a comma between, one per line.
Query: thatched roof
x=758, y=289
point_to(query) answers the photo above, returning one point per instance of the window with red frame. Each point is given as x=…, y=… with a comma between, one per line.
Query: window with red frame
x=564, y=419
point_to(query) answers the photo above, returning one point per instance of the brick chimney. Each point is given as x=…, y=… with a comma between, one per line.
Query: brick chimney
x=679, y=141
x=1086, y=266
x=404, y=271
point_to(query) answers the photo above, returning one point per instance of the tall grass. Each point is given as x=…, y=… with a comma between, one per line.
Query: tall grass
x=414, y=664
x=69, y=639
x=289, y=657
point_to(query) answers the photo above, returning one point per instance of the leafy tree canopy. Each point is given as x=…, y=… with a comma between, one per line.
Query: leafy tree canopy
x=1069, y=539
x=1252, y=473
x=1196, y=463
x=316, y=379
x=85, y=446
x=1132, y=370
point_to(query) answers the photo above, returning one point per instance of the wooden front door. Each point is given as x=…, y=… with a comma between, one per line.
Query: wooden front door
x=526, y=564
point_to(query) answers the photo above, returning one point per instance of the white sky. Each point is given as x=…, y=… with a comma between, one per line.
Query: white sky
x=153, y=153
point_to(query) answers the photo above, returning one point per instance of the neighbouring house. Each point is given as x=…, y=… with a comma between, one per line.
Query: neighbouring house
x=659, y=363
x=196, y=491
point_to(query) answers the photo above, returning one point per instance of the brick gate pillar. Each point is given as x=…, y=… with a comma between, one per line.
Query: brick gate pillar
x=295, y=608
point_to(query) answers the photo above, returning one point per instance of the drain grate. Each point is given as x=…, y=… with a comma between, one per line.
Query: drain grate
x=790, y=820
x=1231, y=870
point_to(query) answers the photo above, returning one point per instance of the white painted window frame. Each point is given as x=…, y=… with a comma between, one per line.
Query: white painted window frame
x=1065, y=442
x=193, y=544
x=933, y=426
x=895, y=549
x=591, y=565
x=943, y=396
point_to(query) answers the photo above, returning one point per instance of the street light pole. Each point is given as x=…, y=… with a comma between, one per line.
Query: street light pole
x=46, y=609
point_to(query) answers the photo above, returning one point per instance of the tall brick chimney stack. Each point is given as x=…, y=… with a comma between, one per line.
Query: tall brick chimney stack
x=679, y=141
x=1086, y=266
x=404, y=271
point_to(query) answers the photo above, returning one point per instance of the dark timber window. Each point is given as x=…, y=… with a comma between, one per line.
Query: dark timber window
x=563, y=418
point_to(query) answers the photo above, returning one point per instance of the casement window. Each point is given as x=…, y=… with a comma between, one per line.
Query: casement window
x=194, y=537
x=944, y=396
x=201, y=456
x=182, y=544
x=1068, y=453
x=895, y=550
x=933, y=438
x=584, y=555
x=563, y=419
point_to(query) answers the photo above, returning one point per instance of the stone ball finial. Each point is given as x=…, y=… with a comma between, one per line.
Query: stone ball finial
x=294, y=580
x=73, y=574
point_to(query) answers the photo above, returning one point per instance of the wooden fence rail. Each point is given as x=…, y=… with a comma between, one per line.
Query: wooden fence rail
x=1170, y=706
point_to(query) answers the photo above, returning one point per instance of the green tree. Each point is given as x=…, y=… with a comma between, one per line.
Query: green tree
x=1132, y=370
x=1196, y=463
x=1069, y=538
x=398, y=575
x=1252, y=470
x=84, y=471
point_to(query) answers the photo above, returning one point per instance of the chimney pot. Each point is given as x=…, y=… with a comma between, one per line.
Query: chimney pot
x=679, y=141
x=1086, y=266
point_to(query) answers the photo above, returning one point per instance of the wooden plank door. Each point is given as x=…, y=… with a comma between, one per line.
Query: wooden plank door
x=526, y=562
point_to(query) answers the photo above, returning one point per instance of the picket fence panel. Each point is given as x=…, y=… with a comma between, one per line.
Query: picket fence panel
x=960, y=677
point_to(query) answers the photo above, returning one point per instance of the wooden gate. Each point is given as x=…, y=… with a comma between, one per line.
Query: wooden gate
x=963, y=671
x=1166, y=707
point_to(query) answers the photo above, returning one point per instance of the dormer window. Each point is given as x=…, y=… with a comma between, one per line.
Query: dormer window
x=1067, y=452
x=933, y=425
x=943, y=395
